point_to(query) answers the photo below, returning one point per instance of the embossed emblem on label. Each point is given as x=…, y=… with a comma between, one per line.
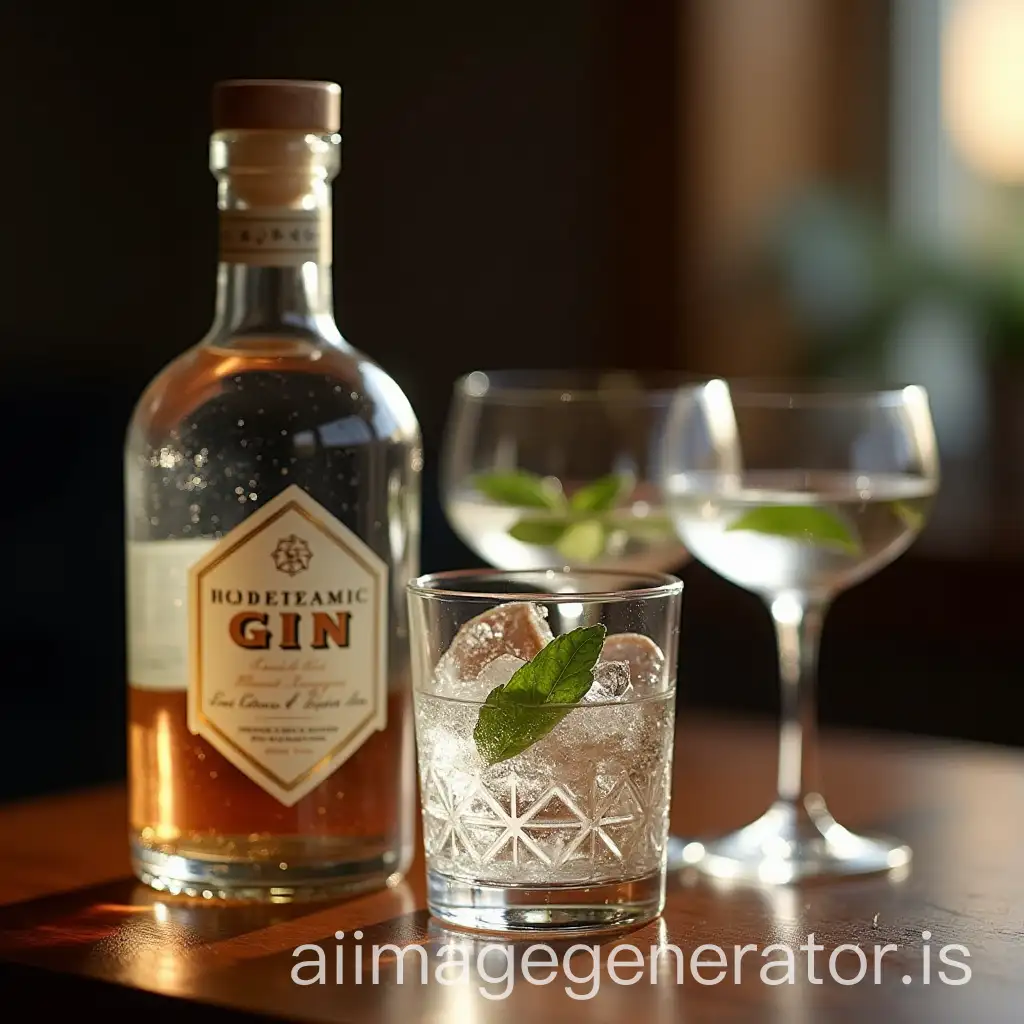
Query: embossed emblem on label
x=288, y=640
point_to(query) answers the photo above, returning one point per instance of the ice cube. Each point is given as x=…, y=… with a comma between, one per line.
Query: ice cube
x=518, y=629
x=494, y=673
x=611, y=682
x=644, y=657
x=498, y=672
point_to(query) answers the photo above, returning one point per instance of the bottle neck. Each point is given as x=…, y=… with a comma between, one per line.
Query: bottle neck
x=274, y=199
x=274, y=301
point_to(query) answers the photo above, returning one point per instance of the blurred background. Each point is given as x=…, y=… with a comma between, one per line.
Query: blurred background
x=717, y=186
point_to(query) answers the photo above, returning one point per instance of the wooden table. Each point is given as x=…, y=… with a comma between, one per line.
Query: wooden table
x=76, y=932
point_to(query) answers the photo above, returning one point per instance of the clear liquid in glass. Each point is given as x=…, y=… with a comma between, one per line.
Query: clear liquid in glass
x=637, y=536
x=878, y=514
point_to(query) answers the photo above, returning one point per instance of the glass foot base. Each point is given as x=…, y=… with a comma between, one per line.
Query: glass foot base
x=792, y=843
x=562, y=910
x=180, y=874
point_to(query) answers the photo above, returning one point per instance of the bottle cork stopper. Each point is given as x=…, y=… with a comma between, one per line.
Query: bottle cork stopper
x=268, y=104
x=269, y=160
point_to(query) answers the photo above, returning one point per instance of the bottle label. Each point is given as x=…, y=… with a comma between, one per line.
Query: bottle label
x=288, y=644
x=275, y=237
x=158, y=601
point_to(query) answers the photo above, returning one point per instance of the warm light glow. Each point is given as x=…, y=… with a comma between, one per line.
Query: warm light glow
x=787, y=610
x=775, y=872
x=693, y=852
x=165, y=828
x=983, y=86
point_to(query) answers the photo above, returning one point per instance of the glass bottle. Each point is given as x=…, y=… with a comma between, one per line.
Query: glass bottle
x=272, y=490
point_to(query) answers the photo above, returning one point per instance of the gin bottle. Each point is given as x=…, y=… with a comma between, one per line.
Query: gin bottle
x=272, y=491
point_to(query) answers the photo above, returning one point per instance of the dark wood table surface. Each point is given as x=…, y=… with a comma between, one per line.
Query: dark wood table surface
x=76, y=932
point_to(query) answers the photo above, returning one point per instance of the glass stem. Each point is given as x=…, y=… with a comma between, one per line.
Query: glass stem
x=798, y=630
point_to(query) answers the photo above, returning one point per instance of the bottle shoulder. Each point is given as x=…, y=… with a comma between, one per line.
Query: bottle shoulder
x=178, y=386
x=395, y=414
x=286, y=371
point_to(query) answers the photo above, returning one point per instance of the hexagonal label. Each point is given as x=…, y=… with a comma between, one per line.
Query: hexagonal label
x=288, y=641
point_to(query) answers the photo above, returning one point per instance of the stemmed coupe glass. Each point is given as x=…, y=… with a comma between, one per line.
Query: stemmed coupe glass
x=544, y=469
x=796, y=492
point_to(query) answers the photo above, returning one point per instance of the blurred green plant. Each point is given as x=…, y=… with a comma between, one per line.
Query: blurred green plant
x=851, y=282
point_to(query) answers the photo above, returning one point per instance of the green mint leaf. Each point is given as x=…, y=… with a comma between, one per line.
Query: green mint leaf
x=520, y=712
x=600, y=495
x=561, y=671
x=525, y=490
x=505, y=729
x=805, y=523
x=538, y=531
x=583, y=542
x=910, y=515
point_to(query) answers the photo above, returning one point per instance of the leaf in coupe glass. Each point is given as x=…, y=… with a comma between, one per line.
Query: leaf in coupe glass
x=651, y=529
x=910, y=515
x=539, y=694
x=804, y=523
x=544, y=532
x=599, y=495
x=583, y=542
x=519, y=488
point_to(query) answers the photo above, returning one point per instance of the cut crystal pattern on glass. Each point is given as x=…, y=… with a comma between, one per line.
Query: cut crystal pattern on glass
x=503, y=830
